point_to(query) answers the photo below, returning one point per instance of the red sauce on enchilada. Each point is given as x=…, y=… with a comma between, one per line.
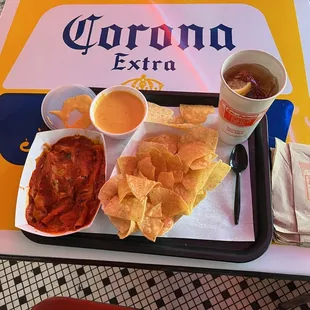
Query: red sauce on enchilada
x=65, y=184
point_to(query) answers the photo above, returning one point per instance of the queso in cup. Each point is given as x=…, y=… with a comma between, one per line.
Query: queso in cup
x=250, y=82
x=118, y=111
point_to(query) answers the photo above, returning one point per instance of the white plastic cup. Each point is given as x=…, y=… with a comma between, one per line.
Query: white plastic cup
x=239, y=115
x=97, y=99
x=55, y=99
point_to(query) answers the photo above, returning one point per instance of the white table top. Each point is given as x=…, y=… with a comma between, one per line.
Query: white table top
x=278, y=259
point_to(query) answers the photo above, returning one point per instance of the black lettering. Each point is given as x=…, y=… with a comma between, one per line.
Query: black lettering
x=145, y=63
x=185, y=33
x=155, y=62
x=134, y=64
x=118, y=60
x=170, y=65
x=104, y=36
x=133, y=29
x=215, y=37
x=71, y=42
x=167, y=37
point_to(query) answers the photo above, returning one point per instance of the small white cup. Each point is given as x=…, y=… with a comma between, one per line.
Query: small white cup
x=55, y=99
x=239, y=115
x=112, y=89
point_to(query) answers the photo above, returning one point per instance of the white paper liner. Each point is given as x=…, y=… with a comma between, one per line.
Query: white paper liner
x=213, y=218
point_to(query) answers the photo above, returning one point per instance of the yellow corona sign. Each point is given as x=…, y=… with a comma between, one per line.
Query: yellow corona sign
x=163, y=45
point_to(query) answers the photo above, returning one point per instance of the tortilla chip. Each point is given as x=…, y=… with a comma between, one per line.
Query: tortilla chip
x=136, y=228
x=151, y=227
x=188, y=196
x=158, y=114
x=140, y=187
x=171, y=203
x=176, y=120
x=146, y=167
x=166, y=179
x=190, y=152
x=152, y=144
x=199, y=197
x=140, y=175
x=120, y=224
x=174, y=165
x=173, y=162
x=195, y=180
x=153, y=211
x=171, y=141
x=127, y=165
x=129, y=209
x=184, y=126
x=178, y=176
x=205, y=135
x=217, y=176
x=131, y=230
x=109, y=189
x=158, y=162
x=144, y=149
x=167, y=225
x=195, y=114
x=123, y=190
x=192, y=181
x=203, y=162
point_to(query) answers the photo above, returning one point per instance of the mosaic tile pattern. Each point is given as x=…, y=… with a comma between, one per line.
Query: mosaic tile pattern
x=24, y=284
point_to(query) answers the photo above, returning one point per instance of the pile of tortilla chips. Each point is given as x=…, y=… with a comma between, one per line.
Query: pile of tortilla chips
x=191, y=115
x=167, y=178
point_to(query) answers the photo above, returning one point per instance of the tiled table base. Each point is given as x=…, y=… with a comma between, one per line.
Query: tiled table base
x=24, y=284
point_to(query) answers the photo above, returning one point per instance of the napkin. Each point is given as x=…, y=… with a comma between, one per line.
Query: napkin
x=291, y=193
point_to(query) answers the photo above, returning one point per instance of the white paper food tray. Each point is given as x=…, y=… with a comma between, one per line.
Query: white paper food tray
x=49, y=137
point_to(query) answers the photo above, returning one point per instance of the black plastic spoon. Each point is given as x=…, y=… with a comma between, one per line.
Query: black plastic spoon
x=238, y=162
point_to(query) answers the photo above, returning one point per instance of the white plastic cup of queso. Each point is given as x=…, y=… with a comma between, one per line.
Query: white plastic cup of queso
x=240, y=115
x=116, y=117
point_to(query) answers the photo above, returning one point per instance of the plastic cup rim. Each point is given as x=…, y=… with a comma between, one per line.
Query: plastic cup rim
x=252, y=99
x=136, y=92
x=50, y=94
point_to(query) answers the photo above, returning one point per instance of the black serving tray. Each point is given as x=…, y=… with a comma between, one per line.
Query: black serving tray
x=192, y=248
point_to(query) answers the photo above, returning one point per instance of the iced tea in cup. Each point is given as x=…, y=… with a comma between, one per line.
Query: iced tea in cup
x=250, y=82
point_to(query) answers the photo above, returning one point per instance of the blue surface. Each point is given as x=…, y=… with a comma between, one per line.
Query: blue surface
x=20, y=119
x=279, y=119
